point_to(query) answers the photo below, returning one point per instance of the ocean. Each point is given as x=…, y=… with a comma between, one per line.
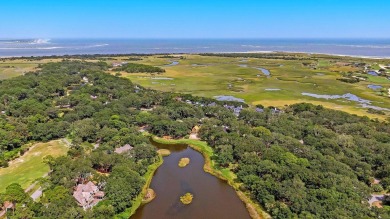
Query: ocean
x=378, y=48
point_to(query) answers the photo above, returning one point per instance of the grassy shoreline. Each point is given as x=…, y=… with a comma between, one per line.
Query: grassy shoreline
x=254, y=209
x=138, y=201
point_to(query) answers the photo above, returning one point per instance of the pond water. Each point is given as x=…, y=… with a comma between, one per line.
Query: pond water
x=348, y=96
x=213, y=198
x=172, y=64
x=374, y=73
x=265, y=71
x=199, y=65
x=374, y=87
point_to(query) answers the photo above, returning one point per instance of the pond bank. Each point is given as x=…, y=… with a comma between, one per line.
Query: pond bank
x=254, y=209
x=139, y=200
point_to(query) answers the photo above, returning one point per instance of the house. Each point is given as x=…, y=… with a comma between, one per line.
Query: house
x=259, y=110
x=8, y=205
x=85, y=79
x=195, y=129
x=194, y=133
x=236, y=110
x=123, y=149
x=212, y=104
x=87, y=195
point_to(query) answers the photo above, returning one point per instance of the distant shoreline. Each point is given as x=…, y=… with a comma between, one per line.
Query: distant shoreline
x=359, y=48
x=197, y=53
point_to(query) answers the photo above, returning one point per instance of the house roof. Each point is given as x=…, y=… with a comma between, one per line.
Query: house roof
x=84, y=194
x=123, y=149
x=8, y=205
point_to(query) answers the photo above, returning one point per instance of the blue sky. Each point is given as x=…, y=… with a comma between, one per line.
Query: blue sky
x=194, y=19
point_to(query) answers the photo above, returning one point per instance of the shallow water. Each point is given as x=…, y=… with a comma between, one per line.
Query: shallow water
x=348, y=96
x=373, y=73
x=213, y=198
x=374, y=87
x=265, y=71
x=172, y=64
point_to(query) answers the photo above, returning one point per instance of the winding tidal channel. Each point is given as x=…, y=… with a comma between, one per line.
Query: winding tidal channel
x=213, y=198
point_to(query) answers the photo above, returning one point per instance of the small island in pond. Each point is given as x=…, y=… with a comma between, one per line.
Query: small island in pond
x=164, y=152
x=184, y=162
x=187, y=198
x=149, y=196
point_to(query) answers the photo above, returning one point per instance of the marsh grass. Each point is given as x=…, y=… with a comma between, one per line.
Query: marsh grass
x=164, y=152
x=290, y=76
x=186, y=198
x=184, y=162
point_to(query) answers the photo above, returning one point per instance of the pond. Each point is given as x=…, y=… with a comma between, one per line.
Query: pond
x=213, y=198
x=172, y=64
x=348, y=96
x=374, y=87
x=374, y=73
x=264, y=71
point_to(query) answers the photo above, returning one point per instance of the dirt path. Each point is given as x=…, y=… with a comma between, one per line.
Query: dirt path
x=66, y=141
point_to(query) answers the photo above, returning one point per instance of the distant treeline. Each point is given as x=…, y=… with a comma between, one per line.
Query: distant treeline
x=138, y=68
x=284, y=56
x=82, y=56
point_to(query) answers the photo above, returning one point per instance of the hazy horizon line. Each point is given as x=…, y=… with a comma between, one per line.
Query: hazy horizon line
x=194, y=38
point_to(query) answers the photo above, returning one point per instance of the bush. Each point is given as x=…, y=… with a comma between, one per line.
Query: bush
x=377, y=188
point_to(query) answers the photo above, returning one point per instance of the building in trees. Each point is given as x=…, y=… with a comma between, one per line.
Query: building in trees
x=87, y=195
x=123, y=149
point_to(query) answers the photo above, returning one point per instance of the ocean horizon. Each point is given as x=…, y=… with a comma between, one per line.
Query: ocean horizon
x=372, y=48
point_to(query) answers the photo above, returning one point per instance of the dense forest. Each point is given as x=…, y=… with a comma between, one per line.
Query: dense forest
x=303, y=161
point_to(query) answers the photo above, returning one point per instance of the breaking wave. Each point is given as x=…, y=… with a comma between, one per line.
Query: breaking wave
x=40, y=41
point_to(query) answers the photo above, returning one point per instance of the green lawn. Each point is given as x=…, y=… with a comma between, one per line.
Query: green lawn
x=29, y=167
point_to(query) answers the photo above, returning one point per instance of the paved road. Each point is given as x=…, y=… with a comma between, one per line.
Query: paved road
x=37, y=194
